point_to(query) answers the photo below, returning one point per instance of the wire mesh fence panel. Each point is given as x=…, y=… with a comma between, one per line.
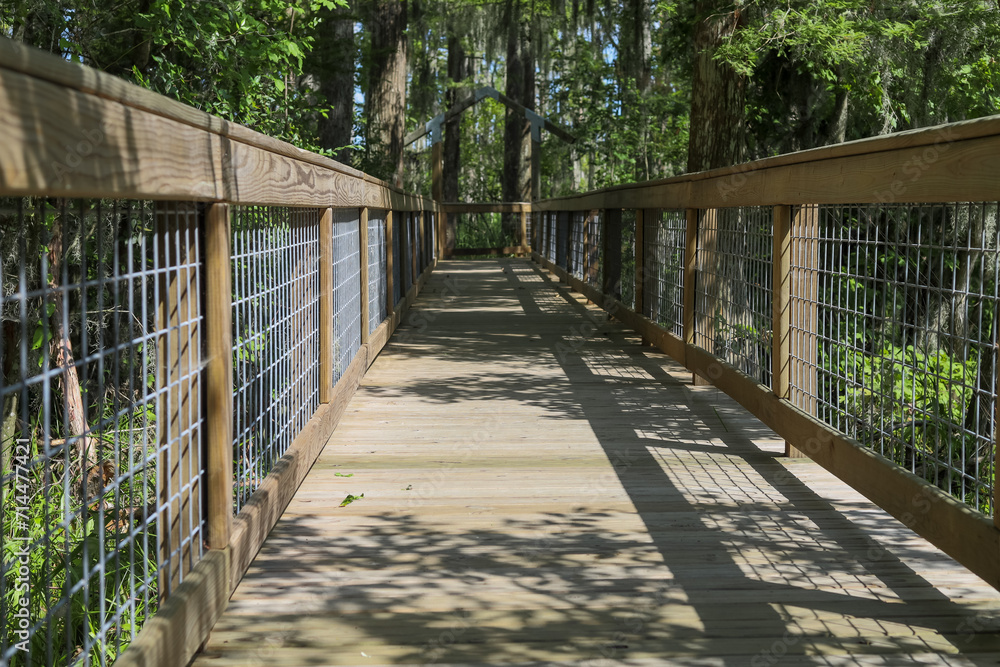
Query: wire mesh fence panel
x=101, y=424
x=627, y=285
x=397, y=258
x=346, y=289
x=276, y=296
x=894, y=334
x=532, y=230
x=377, y=285
x=733, y=290
x=576, y=243
x=595, y=250
x=663, y=268
x=562, y=239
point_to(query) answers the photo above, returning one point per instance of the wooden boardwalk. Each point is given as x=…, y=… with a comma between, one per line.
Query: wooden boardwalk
x=541, y=488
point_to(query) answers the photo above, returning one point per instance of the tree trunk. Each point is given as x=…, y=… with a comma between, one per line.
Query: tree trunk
x=520, y=87
x=386, y=99
x=333, y=61
x=62, y=356
x=459, y=69
x=717, y=130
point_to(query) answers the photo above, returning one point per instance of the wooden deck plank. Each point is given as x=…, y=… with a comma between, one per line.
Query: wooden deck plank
x=539, y=488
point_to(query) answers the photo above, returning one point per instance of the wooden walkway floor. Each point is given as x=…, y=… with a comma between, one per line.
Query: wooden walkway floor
x=540, y=488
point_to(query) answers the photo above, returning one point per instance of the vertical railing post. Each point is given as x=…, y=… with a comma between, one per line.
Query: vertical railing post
x=611, y=238
x=326, y=306
x=363, y=241
x=640, y=265
x=690, y=277
x=780, y=304
x=707, y=237
x=390, y=306
x=803, y=352
x=423, y=241
x=585, y=251
x=524, y=232
x=219, y=376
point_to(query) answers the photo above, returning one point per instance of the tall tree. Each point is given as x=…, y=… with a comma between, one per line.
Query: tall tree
x=332, y=63
x=520, y=87
x=385, y=102
x=459, y=69
x=718, y=91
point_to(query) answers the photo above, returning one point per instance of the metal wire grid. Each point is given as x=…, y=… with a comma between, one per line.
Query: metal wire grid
x=663, y=268
x=733, y=290
x=595, y=250
x=576, y=243
x=628, y=258
x=532, y=221
x=894, y=334
x=101, y=468
x=377, y=307
x=562, y=238
x=397, y=258
x=276, y=294
x=346, y=289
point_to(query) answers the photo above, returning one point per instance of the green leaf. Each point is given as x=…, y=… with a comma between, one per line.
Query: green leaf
x=350, y=499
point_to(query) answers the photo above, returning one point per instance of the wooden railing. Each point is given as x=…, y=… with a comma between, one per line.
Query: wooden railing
x=805, y=287
x=257, y=282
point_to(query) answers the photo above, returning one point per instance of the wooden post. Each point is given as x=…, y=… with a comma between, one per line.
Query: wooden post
x=219, y=376
x=585, y=252
x=390, y=306
x=650, y=287
x=411, y=234
x=524, y=232
x=780, y=297
x=690, y=277
x=536, y=170
x=437, y=180
x=365, y=311
x=611, y=237
x=419, y=215
x=403, y=249
x=178, y=480
x=640, y=270
x=326, y=343
x=706, y=237
x=803, y=323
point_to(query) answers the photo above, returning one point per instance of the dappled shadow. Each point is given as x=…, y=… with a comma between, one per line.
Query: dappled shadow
x=692, y=544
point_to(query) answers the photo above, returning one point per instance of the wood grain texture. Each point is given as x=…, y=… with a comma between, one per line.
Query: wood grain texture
x=173, y=636
x=540, y=489
x=75, y=132
x=219, y=376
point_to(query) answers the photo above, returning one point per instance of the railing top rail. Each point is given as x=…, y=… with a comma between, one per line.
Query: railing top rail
x=953, y=162
x=116, y=139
